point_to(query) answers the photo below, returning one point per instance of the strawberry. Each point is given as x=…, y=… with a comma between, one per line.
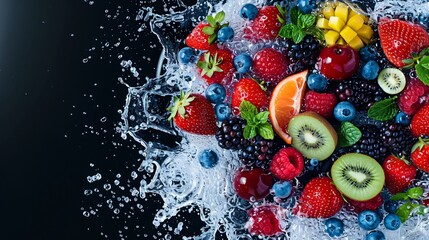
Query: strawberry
x=216, y=65
x=399, y=174
x=371, y=204
x=420, y=122
x=264, y=220
x=321, y=103
x=204, y=34
x=266, y=25
x=400, y=38
x=319, y=199
x=249, y=90
x=270, y=65
x=193, y=113
x=287, y=164
x=415, y=94
x=420, y=154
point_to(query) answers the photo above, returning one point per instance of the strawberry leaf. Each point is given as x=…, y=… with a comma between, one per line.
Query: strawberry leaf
x=422, y=74
x=415, y=193
x=211, y=20
x=424, y=62
x=220, y=16
x=384, y=110
x=349, y=134
x=399, y=197
x=294, y=14
x=208, y=30
x=266, y=131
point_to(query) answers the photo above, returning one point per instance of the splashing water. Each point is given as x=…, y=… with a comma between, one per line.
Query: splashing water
x=170, y=167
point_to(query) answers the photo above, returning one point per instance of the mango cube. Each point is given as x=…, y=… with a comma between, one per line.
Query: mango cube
x=365, y=32
x=336, y=23
x=356, y=43
x=364, y=40
x=331, y=37
x=328, y=12
x=323, y=23
x=341, y=41
x=342, y=11
x=356, y=22
x=348, y=34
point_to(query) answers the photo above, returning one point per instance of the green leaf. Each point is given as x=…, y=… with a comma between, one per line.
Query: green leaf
x=262, y=117
x=248, y=110
x=316, y=32
x=399, y=197
x=287, y=30
x=424, y=62
x=349, y=134
x=405, y=210
x=211, y=20
x=422, y=74
x=424, y=52
x=212, y=38
x=384, y=110
x=298, y=35
x=249, y=132
x=408, y=61
x=306, y=20
x=220, y=16
x=266, y=131
x=208, y=30
x=415, y=193
x=280, y=19
x=294, y=14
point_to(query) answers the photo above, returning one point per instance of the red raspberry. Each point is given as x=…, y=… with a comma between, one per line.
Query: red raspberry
x=414, y=95
x=287, y=164
x=321, y=103
x=264, y=220
x=270, y=65
x=371, y=204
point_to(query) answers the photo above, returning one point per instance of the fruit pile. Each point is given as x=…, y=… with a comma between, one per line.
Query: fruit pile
x=332, y=109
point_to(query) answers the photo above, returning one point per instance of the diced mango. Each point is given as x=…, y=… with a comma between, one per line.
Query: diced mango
x=365, y=32
x=328, y=12
x=348, y=34
x=336, y=23
x=331, y=37
x=342, y=11
x=352, y=13
x=366, y=41
x=356, y=22
x=323, y=23
x=356, y=43
x=341, y=41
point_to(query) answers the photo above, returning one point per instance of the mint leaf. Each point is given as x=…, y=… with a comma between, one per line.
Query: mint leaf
x=422, y=74
x=384, y=110
x=249, y=131
x=316, y=32
x=286, y=31
x=424, y=62
x=399, y=197
x=248, y=110
x=415, y=193
x=298, y=35
x=266, y=131
x=294, y=14
x=349, y=134
x=262, y=116
x=404, y=211
x=306, y=20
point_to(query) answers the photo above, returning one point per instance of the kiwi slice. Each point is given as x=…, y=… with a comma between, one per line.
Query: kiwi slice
x=312, y=135
x=392, y=80
x=358, y=176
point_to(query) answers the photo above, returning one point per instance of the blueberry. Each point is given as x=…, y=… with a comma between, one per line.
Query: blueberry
x=249, y=11
x=424, y=20
x=370, y=70
x=390, y=206
x=375, y=235
x=367, y=53
x=317, y=82
x=314, y=162
x=306, y=6
x=344, y=111
x=215, y=93
x=392, y=221
x=402, y=118
x=242, y=63
x=208, y=158
x=224, y=34
x=239, y=216
x=223, y=111
x=334, y=227
x=186, y=55
x=282, y=189
x=369, y=220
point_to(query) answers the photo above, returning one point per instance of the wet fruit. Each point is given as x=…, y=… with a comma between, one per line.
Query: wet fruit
x=338, y=62
x=252, y=184
x=287, y=164
x=392, y=80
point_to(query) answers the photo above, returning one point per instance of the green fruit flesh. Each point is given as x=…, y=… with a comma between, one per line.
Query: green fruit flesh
x=358, y=176
x=392, y=80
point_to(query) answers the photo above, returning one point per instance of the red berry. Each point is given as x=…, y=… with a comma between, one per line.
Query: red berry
x=270, y=65
x=415, y=94
x=399, y=173
x=252, y=185
x=216, y=66
x=265, y=220
x=420, y=155
x=321, y=103
x=249, y=90
x=287, y=164
x=371, y=204
x=266, y=25
x=400, y=38
x=338, y=62
x=420, y=122
x=199, y=40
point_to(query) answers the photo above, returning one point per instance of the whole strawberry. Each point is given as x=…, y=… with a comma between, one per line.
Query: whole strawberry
x=251, y=91
x=204, y=35
x=216, y=65
x=415, y=94
x=399, y=173
x=266, y=25
x=270, y=65
x=420, y=122
x=371, y=204
x=400, y=38
x=264, y=220
x=193, y=113
x=321, y=103
x=320, y=199
x=420, y=154
x=287, y=164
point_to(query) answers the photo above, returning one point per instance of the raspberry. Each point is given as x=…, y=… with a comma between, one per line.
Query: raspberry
x=287, y=164
x=321, y=103
x=264, y=220
x=270, y=65
x=413, y=96
x=371, y=204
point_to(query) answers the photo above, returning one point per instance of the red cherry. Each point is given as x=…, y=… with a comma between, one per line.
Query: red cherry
x=338, y=62
x=255, y=183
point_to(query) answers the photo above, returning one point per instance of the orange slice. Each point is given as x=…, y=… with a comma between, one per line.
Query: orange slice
x=286, y=102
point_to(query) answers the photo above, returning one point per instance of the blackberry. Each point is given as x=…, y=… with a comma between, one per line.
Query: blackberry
x=370, y=143
x=397, y=138
x=361, y=93
x=304, y=54
x=230, y=134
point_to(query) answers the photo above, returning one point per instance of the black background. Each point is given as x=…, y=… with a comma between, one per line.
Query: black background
x=49, y=103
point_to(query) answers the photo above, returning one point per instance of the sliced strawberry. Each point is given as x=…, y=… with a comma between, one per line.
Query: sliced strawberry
x=321, y=103
x=216, y=65
x=266, y=25
x=251, y=91
x=399, y=174
x=400, y=38
x=287, y=164
x=270, y=65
